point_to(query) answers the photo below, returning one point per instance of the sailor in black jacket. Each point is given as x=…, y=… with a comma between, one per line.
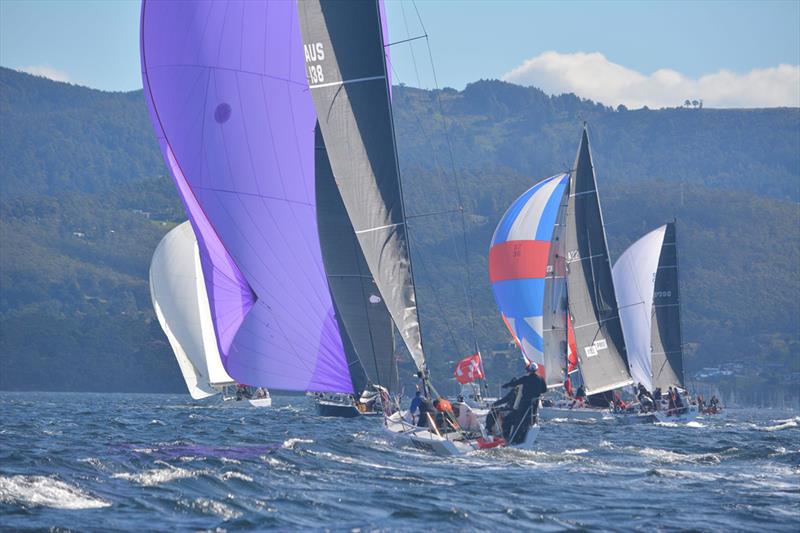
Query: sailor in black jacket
x=530, y=387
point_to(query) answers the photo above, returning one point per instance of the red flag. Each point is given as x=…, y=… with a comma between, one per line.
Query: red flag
x=572, y=349
x=469, y=369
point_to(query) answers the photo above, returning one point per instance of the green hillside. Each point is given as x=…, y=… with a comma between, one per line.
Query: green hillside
x=58, y=137
x=85, y=200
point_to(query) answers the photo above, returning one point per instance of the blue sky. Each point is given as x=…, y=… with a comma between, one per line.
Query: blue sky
x=95, y=43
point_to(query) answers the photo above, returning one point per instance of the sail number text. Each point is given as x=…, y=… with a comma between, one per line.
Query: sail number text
x=314, y=52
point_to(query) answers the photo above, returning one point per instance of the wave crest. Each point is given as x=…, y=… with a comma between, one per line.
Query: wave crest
x=46, y=491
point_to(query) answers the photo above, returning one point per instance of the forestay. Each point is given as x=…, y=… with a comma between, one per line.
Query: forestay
x=179, y=299
x=365, y=323
x=229, y=100
x=634, y=281
x=592, y=302
x=346, y=70
x=526, y=279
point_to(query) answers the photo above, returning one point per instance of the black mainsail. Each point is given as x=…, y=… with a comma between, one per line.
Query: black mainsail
x=666, y=341
x=346, y=70
x=363, y=319
x=592, y=302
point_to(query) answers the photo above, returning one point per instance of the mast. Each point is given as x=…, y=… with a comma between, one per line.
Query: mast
x=592, y=301
x=677, y=288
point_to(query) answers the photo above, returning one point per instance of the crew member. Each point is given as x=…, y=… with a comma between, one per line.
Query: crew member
x=645, y=399
x=526, y=406
x=500, y=408
x=580, y=397
x=415, y=403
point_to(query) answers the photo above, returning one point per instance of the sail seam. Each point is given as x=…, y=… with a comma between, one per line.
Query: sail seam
x=226, y=69
x=345, y=82
x=585, y=258
x=582, y=193
x=379, y=227
x=595, y=323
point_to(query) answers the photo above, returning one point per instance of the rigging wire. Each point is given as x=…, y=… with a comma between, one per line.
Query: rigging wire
x=438, y=300
x=441, y=173
x=459, y=197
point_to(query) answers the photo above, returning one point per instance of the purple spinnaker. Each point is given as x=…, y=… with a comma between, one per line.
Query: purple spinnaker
x=226, y=88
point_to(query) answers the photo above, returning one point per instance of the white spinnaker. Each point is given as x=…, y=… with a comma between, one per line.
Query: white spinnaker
x=181, y=304
x=634, y=281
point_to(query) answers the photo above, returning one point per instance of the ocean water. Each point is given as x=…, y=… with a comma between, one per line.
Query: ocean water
x=163, y=462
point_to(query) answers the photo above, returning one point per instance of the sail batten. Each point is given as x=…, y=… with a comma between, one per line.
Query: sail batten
x=592, y=302
x=346, y=70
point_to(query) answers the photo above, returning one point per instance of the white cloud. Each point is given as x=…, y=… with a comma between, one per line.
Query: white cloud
x=47, y=71
x=595, y=77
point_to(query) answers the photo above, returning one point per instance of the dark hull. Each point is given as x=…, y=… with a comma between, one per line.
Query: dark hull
x=338, y=410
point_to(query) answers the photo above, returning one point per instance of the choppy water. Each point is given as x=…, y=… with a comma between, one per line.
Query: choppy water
x=154, y=462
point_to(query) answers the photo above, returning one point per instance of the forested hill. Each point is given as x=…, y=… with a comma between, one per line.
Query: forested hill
x=85, y=199
x=58, y=137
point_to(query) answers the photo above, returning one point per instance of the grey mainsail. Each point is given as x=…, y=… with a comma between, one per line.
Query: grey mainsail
x=592, y=302
x=364, y=322
x=346, y=70
x=554, y=318
x=667, y=350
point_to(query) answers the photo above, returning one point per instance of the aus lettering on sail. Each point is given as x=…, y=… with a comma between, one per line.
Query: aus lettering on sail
x=314, y=53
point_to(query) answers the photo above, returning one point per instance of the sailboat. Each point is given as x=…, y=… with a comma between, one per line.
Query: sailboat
x=551, y=278
x=348, y=78
x=229, y=101
x=646, y=279
x=592, y=301
x=527, y=272
x=179, y=298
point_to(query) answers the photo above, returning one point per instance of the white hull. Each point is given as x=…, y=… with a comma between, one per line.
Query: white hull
x=252, y=402
x=444, y=444
x=576, y=413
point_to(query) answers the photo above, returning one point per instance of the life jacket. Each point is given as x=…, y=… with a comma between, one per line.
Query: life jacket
x=444, y=406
